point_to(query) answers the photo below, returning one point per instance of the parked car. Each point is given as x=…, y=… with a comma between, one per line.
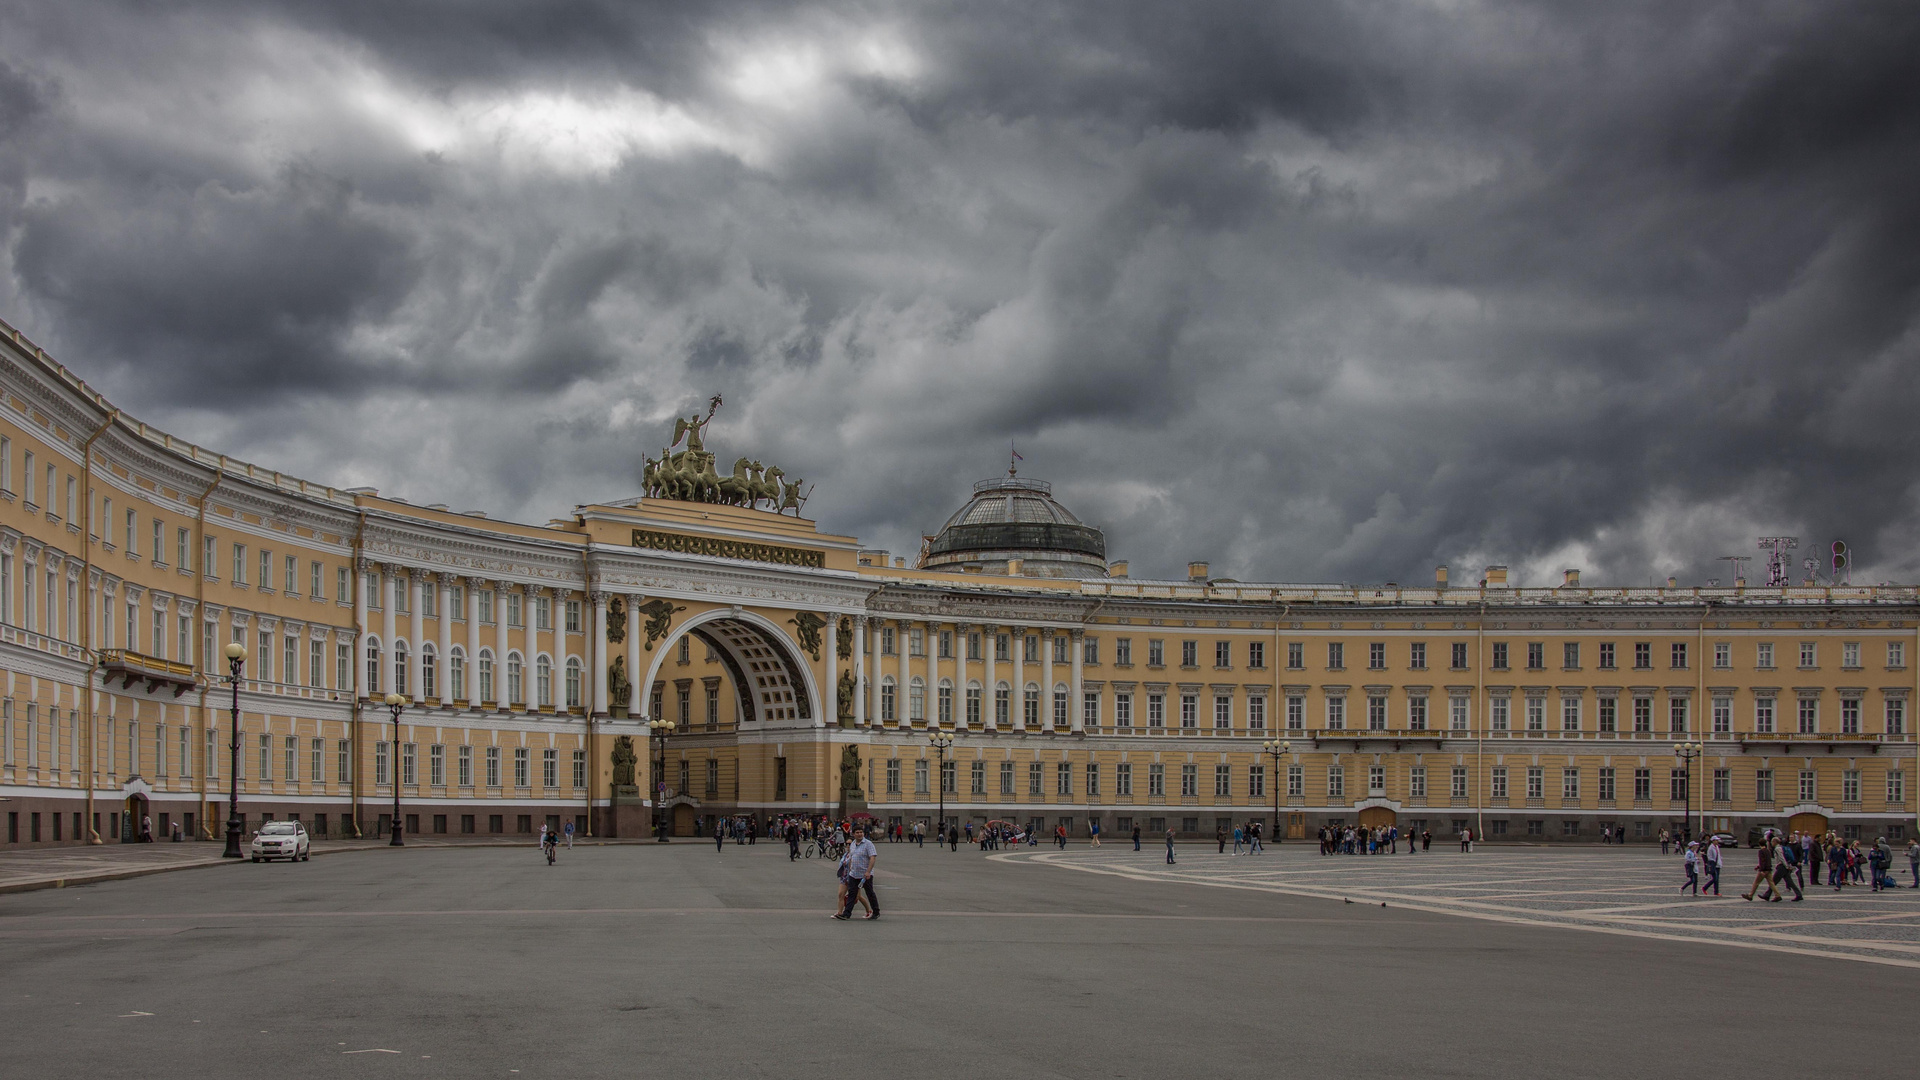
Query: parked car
x=1726, y=839
x=281, y=840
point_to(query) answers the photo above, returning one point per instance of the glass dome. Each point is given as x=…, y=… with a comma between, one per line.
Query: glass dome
x=1011, y=518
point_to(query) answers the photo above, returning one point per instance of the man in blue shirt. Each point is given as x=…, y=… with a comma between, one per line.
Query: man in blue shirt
x=860, y=861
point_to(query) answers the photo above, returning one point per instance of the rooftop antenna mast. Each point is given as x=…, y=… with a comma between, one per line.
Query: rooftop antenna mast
x=1778, y=573
x=1739, y=567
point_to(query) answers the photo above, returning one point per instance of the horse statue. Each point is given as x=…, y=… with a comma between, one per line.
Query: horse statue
x=770, y=487
x=738, y=489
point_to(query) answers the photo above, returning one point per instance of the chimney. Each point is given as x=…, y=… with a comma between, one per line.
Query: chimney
x=1569, y=579
x=1739, y=583
x=1497, y=577
x=1196, y=571
x=1117, y=568
x=1440, y=576
x=1013, y=567
x=1673, y=582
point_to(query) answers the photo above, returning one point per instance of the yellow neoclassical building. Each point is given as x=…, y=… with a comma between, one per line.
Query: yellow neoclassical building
x=786, y=670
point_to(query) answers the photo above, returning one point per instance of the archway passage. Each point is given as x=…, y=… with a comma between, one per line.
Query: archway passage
x=770, y=682
x=1374, y=817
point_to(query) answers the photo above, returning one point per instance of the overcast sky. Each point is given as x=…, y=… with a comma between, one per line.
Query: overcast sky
x=1318, y=292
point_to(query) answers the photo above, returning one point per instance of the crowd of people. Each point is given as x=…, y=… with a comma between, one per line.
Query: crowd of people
x=1791, y=863
x=1378, y=840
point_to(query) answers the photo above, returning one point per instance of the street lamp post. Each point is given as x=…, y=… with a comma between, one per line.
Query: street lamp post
x=236, y=658
x=660, y=728
x=941, y=741
x=396, y=704
x=1276, y=749
x=1688, y=753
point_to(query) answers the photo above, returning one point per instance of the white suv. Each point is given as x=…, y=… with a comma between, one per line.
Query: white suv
x=281, y=840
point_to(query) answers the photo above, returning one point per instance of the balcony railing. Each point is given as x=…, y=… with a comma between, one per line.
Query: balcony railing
x=130, y=667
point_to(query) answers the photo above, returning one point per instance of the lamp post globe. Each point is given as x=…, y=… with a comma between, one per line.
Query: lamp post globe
x=236, y=659
x=396, y=704
x=941, y=741
x=658, y=728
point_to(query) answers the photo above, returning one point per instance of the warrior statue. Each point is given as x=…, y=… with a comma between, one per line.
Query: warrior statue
x=619, y=687
x=850, y=771
x=848, y=687
x=623, y=760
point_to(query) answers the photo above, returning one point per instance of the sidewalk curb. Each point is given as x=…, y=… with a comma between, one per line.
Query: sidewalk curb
x=120, y=875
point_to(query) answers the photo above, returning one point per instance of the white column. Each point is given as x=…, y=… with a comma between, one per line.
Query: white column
x=470, y=608
x=902, y=646
x=859, y=671
x=596, y=650
x=500, y=693
x=1017, y=705
x=1046, y=679
x=642, y=695
x=1076, y=705
x=933, y=675
x=390, y=619
x=987, y=695
x=531, y=612
x=417, y=632
x=442, y=661
x=832, y=719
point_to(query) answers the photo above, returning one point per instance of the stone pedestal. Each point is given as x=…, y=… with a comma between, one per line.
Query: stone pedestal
x=853, y=801
x=626, y=815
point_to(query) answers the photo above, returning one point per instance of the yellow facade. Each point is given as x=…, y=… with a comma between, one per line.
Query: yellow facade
x=129, y=559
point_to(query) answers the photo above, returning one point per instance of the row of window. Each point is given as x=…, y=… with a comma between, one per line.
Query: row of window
x=483, y=671
x=1254, y=781
x=1677, y=653
x=1571, y=715
x=463, y=764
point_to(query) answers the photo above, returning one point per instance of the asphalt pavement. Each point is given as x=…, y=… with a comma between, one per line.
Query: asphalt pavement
x=675, y=960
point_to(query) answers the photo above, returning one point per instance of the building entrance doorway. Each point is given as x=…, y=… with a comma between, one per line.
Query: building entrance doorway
x=1296, y=826
x=683, y=820
x=1804, y=824
x=130, y=822
x=1375, y=817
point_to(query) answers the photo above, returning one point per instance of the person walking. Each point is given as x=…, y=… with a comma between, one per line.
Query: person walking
x=719, y=837
x=1692, y=863
x=1466, y=841
x=1220, y=835
x=1666, y=842
x=859, y=868
x=1762, y=873
x=793, y=843
x=1426, y=839
x=1093, y=830
x=568, y=829
x=1713, y=865
x=543, y=836
x=1169, y=847
x=1783, y=868
x=1913, y=861
x=1254, y=838
x=1136, y=838
x=1060, y=837
x=1237, y=840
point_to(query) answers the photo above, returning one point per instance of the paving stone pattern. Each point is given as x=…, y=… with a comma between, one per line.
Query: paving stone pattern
x=1632, y=891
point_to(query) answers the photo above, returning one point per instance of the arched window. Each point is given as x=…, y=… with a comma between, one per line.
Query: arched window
x=486, y=676
x=1060, y=700
x=973, y=702
x=457, y=673
x=944, y=711
x=516, y=680
x=373, y=667
x=1002, y=703
x=400, y=667
x=543, y=681
x=917, y=699
x=886, y=698
x=429, y=677
x=573, y=682
x=1030, y=712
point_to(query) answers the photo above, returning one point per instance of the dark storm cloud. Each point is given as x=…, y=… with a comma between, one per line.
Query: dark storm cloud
x=1317, y=291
